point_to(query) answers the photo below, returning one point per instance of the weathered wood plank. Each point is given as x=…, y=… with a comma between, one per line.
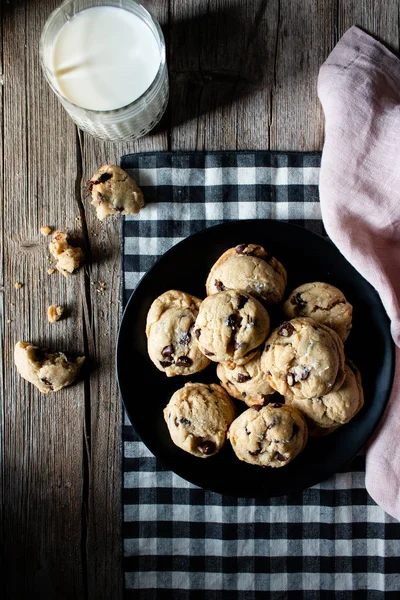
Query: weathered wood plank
x=221, y=61
x=2, y=320
x=43, y=436
x=304, y=39
x=381, y=19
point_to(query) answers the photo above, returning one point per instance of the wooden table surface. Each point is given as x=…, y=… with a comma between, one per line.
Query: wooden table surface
x=243, y=75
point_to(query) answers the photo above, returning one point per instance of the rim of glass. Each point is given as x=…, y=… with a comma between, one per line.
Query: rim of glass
x=151, y=87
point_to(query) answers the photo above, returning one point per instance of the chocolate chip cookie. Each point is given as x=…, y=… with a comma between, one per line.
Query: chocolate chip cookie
x=268, y=437
x=322, y=302
x=113, y=191
x=230, y=327
x=246, y=382
x=49, y=371
x=327, y=413
x=304, y=358
x=249, y=269
x=171, y=342
x=198, y=416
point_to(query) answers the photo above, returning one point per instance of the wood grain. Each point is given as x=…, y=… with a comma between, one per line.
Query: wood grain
x=242, y=75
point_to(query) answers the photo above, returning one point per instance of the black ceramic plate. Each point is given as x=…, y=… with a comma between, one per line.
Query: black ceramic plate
x=307, y=257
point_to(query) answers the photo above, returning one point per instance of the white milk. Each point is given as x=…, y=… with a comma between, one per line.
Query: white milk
x=104, y=58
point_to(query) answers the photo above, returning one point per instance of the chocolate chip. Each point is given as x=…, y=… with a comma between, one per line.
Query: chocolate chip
x=46, y=382
x=242, y=378
x=185, y=339
x=255, y=452
x=184, y=421
x=99, y=197
x=241, y=248
x=219, y=285
x=183, y=361
x=286, y=329
x=208, y=353
x=197, y=333
x=291, y=379
x=166, y=363
x=305, y=373
x=279, y=456
x=295, y=429
x=167, y=350
x=242, y=299
x=276, y=405
x=207, y=448
x=247, y=431
x=267, y=347
x=231, y=322
x=236, y=345
x=244, y=395
x=39, y=355
x=297, y=300
x=251, y=322
x=103, y=178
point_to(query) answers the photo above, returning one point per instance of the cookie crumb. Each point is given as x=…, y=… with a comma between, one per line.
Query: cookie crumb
x=54, y=313
x=45, y=230
x=18, y=285
x=69, y=258
x=51, y=271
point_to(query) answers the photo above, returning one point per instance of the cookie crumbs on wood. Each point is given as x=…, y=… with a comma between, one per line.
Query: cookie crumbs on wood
x=50, y=271
x=45, y=230
x=18, y=285
x=54, y=313
x=102, y=287
x=69, y=258
x=113, y=191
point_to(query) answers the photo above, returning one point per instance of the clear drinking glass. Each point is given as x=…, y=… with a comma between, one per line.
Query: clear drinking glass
x=131, y=121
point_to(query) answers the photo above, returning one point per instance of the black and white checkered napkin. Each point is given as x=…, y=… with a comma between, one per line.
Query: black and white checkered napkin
x=182, y=542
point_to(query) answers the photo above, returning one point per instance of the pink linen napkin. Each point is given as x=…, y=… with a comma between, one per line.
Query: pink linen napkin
x=359, y=89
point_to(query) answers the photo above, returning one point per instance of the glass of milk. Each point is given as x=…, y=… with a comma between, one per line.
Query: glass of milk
x=105, y=60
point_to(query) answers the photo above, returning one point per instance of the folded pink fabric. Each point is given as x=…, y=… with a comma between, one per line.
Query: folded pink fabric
x=359, y=89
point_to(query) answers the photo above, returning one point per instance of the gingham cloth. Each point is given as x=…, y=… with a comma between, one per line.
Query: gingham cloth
x=182, y=542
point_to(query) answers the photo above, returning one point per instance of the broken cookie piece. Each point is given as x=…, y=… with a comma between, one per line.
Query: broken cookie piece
x=114, y=191
x=54, y=313
x=69, y=258
x=49, y=371
x=45, y=230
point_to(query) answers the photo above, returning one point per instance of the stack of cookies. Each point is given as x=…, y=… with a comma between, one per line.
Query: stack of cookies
x=295, y=381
